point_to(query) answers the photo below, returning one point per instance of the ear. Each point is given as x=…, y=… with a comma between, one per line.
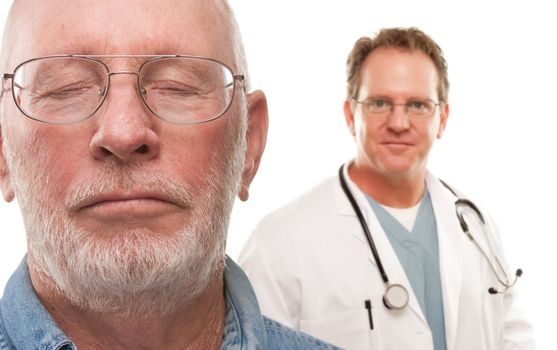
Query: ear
x=443, y=121
x=258, y=123
x=349, y=117
x=5, y=183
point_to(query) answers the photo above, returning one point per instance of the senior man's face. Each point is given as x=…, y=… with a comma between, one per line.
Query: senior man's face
x=123, y=204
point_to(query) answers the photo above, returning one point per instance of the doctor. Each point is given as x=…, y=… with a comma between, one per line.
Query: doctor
x=426, y=286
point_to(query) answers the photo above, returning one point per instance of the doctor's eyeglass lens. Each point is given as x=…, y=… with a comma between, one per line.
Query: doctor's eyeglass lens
x=415, y=108
x=68, y=89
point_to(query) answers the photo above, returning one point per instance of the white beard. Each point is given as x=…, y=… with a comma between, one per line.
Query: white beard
x=132, y=271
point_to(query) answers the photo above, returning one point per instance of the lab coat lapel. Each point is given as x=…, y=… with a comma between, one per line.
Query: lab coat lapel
x=388, y=256
x=450, y=254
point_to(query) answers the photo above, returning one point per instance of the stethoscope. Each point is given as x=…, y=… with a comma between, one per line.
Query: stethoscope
x=396, y=296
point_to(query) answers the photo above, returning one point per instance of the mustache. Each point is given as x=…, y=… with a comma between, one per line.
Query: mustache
x=118, y=178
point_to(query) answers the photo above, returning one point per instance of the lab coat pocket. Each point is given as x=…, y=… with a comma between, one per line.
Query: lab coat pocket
x=350, y=330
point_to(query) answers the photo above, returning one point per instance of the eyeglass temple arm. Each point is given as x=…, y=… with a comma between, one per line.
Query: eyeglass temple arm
x=240, y=78
x=5, y=77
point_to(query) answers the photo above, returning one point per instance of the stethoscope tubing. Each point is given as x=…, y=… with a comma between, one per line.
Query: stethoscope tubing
x=363, y=223
x=460, y=203
x=396, y=296
x=499, y=271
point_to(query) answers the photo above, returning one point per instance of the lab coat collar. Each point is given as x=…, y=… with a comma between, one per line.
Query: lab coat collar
x=451, y=258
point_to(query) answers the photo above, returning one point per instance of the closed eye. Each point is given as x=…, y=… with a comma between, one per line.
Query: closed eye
x=173, y=87
x=68, y=91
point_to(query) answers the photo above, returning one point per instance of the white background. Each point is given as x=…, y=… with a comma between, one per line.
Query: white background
x=499, y=145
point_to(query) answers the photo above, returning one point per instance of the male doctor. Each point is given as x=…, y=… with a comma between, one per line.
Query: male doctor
x=427, y=285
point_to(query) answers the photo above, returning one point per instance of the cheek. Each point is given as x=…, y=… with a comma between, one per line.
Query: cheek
x=435, y=127
x=44, y=160
x=428, y=132
x=198, y=151
x=366, y=130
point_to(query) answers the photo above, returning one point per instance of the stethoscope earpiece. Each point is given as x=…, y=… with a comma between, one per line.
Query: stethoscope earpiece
x=507, y=285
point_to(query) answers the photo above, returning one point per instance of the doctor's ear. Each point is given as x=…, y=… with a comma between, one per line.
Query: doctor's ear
x=349, y=117
x=443, y=119
x=5, y=182
x=256, y=138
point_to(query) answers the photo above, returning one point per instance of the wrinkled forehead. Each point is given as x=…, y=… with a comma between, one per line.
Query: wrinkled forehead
x=191, y=27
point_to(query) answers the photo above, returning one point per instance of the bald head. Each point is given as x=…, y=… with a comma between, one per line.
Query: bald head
x=197, y=27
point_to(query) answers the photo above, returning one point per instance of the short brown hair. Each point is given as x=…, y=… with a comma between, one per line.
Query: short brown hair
x=404, y=38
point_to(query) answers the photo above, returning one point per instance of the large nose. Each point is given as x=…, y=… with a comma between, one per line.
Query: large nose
x=127, y=131
x=398, y=121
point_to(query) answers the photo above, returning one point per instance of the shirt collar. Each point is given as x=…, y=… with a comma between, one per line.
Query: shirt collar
x=244, y=326
x=30, y=327
x=28, y=324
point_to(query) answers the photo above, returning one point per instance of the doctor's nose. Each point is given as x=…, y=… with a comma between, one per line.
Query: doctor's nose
x=127, y=131
x=398, y=120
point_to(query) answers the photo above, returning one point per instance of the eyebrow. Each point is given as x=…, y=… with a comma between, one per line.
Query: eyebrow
x=385, y=97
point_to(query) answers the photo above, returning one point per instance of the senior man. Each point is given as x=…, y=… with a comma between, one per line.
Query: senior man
x=126, y=133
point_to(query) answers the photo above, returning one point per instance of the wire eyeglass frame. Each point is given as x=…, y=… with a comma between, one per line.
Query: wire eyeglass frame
x=98, y=59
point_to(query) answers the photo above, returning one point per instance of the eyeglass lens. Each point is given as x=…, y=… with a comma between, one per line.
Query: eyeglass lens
x=183, y=90
x=416, y=108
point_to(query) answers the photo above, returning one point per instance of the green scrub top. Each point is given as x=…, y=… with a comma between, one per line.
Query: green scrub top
x=418, y=253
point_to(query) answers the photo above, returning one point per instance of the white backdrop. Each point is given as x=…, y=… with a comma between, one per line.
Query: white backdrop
x=499, y=143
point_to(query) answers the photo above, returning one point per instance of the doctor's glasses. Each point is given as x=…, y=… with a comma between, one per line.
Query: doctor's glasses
x=179, y=89
x=414, y=108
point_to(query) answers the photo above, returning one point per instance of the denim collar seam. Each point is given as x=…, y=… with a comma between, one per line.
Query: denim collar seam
x=236, y=318
x=4, y=332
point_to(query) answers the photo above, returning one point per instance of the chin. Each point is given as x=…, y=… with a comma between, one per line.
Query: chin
x=397, y=168
x=132, y=271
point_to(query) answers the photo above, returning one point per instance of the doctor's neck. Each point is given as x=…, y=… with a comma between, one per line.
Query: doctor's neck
x=391, y=191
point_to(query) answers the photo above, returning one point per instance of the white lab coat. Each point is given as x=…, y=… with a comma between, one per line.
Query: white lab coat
x=312, y=269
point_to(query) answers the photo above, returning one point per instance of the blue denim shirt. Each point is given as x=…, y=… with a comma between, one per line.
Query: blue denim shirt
x=26, y=325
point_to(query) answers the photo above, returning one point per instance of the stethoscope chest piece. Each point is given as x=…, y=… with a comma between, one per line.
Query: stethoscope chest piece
x=396, y=297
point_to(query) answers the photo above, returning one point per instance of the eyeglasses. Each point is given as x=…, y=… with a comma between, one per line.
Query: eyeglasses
x=66, y=89
x=415, y=108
